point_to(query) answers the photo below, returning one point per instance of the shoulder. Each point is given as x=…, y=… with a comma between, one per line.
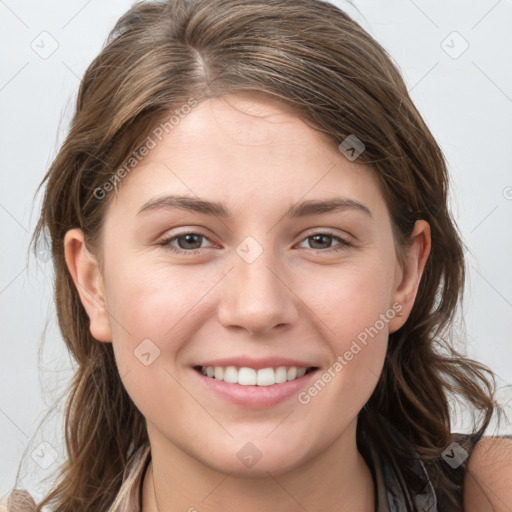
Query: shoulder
x=488, y=479
x=18, y=500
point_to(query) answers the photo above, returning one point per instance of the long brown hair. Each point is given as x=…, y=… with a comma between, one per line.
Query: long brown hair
x=316, y=59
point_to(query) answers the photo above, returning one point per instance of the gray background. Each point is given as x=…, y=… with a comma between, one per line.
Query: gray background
x=464, y=94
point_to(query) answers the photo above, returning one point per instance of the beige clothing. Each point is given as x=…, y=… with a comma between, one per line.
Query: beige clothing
x=129, y=498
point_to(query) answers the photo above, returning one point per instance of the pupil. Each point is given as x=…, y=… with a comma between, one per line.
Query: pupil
x=189, y=239
x=316, y=238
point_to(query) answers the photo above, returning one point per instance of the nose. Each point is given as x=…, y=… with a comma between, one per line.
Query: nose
x=256, y=296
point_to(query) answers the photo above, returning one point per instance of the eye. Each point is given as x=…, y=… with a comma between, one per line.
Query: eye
x=187, y=243
x=322, y=240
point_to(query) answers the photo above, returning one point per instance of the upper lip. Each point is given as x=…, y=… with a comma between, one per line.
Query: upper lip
x=257, y=364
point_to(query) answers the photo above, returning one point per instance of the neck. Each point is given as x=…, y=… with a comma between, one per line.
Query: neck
x=335, y=479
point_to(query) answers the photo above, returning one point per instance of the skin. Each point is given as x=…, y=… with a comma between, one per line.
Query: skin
x=257, y=158
x=488, y=480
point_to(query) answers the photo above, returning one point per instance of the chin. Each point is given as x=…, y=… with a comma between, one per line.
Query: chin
x=255, y=458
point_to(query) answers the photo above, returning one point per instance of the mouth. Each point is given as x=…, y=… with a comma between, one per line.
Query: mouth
x=246, y=376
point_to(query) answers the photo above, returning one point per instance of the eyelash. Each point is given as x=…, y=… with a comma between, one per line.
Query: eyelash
x=344, y=244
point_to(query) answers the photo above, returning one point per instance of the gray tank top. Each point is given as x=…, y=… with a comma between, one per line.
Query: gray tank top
x=388, y=495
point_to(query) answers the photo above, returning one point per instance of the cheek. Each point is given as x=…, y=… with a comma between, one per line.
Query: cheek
x=353, y=313
x=152, y=312
x=349, y=299
x=156, y=308
x=357, y=337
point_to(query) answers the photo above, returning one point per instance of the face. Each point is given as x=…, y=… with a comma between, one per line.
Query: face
x=262, y=280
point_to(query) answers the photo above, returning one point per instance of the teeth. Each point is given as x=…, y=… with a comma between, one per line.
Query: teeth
x=251, y=377
x=281, y=375
x=230, y=375
x=266, y=377
x=247, y=377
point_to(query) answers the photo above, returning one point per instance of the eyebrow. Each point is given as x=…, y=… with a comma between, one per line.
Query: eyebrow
x=302, y=209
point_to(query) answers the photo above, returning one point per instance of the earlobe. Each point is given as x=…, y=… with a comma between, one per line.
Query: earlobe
x=407, y=288
x=86, y=274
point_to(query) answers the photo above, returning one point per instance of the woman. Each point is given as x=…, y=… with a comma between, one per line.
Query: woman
x=255, y=272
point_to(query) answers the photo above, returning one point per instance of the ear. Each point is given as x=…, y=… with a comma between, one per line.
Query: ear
x=409, y=276
x=85, y=271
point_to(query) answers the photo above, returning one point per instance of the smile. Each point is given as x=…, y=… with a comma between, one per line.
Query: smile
x=246, y=376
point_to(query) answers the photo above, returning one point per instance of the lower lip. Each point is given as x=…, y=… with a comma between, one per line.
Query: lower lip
x=255, y=397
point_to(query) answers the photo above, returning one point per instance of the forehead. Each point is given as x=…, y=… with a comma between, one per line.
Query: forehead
x=247, y=150
x=246, y=125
